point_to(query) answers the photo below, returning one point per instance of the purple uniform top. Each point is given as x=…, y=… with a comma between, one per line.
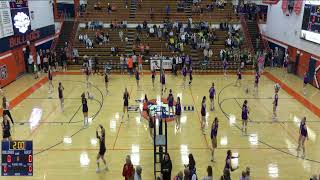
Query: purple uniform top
x=211, y=92
x=257, y=78
x=203, y=109
x=163, y=79
x=305, y=79
x=214, y=131
x=170, y=100
x=245, y=112
x=184, y=71
x=178, y=109
x=225, y=64
x=303, y=129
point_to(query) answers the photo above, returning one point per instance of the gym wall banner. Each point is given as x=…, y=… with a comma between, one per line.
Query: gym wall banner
x=20, y=16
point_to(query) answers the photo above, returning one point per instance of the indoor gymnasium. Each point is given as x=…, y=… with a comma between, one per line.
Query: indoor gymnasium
x=160, y=89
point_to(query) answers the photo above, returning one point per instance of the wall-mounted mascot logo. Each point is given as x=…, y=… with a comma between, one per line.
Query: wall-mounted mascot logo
x=21, y=22
x=3, y=72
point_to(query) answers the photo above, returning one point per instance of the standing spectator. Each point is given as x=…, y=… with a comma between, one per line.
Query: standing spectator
x=75, y=55
x=147, y=49
x=122, y=63
x=166, y=167
x=167, y=10
x=137, y=174
x=209, y=172
x=127, y=171
x=38, y=61
x=30, y=63
x=130, y=65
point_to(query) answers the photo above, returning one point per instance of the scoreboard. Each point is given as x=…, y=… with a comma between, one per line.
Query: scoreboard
x=17, y=158
x=310, y=29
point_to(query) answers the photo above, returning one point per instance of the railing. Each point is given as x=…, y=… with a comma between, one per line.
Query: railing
x=72, y=37
x=246, y=33
x=264, y=41
x=56, y=39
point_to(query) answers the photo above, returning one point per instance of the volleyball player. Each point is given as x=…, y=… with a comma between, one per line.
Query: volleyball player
x=102, y=147
x=126, y=98
x=151, y=122
x=5, y=107
x=239, y=77
x=184, y=74
x=203, y=114
x=6, y=129
x=50, y=80
x=178, y=113
x=153, y=76
x=213, y=135
x=137, y=75
x=225, y=64
x=256, y=82
x=87, y=73
x=275, y=104
x=170, y=100
x=60, y=93
x=244, y=116
x=84, y=109
x=190, y=76
x=228, y=165
x=163, y=82
x=212, y=92
x=305, y=82
x=303, y=135
x=106, y=82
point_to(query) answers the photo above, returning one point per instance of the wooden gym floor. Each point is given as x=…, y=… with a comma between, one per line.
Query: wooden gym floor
x=63, y=150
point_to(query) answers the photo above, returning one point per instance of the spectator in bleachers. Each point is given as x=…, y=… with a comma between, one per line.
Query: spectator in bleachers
x=151, y=32
x=168, y=10
x=80, y=38
x=147, y=49
x=145, y=25
x=122, y=63
x=130, y=65
x=75, y=55
x=109, y=8
x=151, y=13
x=121, y=35
x=179, y=176
x=98, y=6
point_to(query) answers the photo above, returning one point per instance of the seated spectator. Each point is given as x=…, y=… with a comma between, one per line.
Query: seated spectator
x=168, y=10
x=98, y=6
x=151, y=32
x=75, y=55
x=121, y=35
x=138, y=28
x=151, y=13
x=80, y=38
x=142, y=48
x=147, y=49
x=145, y=25
x=109, y=8
x=113, y=51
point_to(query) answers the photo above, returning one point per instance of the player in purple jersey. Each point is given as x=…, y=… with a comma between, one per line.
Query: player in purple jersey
x=153, y=76
x=203, y=114
x=163, y=82
x=244, y=116
x=170, y=100
x=213, y=135
x=275, y=104
x=178, y=113
x=303, y=135
x=305, y=82
x=184, y=74
x=190, y=76
x=212, y=92
x=225, y=64
x=239, y=77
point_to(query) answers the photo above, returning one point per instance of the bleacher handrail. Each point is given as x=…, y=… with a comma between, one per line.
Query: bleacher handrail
x=246, y=33
x=56, y=39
